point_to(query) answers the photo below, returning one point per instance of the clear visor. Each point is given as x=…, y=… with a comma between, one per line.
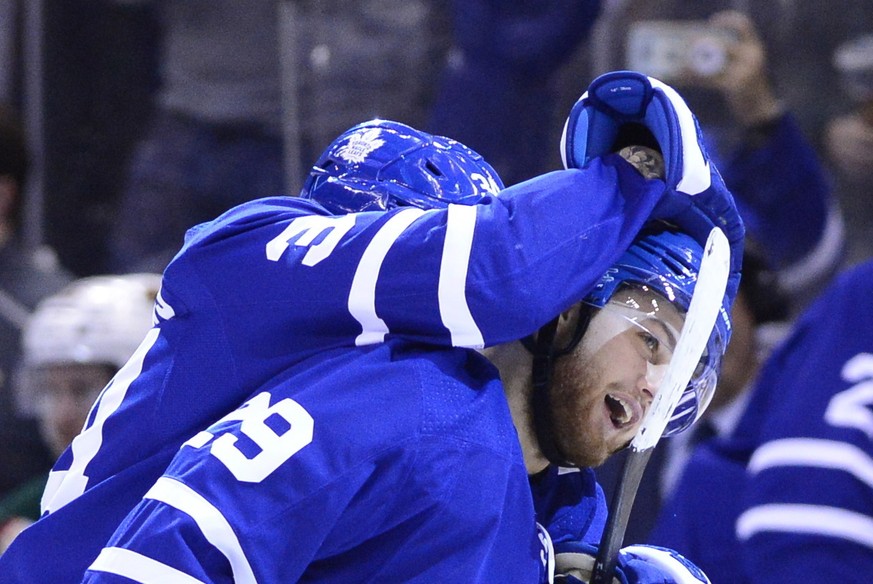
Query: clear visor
x=652, y=337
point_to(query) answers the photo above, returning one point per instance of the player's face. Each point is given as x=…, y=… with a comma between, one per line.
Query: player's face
x=66, y=393
x=602, y=390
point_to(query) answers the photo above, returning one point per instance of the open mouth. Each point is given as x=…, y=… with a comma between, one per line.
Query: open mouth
x=623, y=411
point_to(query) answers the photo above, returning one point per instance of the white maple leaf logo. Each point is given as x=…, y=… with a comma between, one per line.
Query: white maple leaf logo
x=360, y=145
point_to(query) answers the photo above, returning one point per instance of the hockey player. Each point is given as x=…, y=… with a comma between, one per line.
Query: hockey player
x=284, y=301
x=790, y=491
x=73, y=344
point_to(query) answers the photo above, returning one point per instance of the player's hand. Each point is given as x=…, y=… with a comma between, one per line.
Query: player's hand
x=637, y=564
x=743, y=81
x=627, y=108
x=647, y=161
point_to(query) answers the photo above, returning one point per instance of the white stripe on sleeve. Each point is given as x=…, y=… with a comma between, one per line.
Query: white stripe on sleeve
x=214, y=527
x=65, y=486
x=815, y=453
x=139, y=568
x=455, y=262
x=808, y=519
x=362, y=297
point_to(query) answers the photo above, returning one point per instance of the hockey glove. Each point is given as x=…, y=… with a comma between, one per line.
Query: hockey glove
x=625, y=108
x=637, y=564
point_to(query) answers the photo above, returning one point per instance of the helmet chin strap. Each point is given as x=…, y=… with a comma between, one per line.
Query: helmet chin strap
x=542, y=347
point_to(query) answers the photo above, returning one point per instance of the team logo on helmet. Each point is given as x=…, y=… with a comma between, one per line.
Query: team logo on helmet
x=360, y=145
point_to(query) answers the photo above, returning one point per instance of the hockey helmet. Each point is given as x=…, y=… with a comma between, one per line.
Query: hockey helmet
x=99, y=320
x=380, y=164
x=666, y=261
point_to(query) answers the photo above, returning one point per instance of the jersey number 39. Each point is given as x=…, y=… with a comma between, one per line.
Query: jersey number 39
x=279, y=431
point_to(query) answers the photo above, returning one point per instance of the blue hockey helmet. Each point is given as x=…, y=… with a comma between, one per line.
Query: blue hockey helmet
x=667, y=261
x=381, y=164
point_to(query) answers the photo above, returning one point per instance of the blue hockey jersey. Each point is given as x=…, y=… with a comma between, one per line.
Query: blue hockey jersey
x=394, y=462
x=263, y=293
x=788, y=497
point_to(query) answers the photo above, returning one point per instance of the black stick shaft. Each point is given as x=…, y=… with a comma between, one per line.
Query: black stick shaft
x=619, y=513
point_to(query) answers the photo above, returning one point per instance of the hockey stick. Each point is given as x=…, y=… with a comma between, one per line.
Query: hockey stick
x=699, y=321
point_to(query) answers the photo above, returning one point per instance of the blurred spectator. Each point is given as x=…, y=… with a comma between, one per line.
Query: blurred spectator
x=360, y=59
x=787, y=496
x=783, y=191
x=800, y=36
x=237, y=76
x=849, y=142
x=73, y=345
x=214, y=138
x=501, y=79
x=26, y=276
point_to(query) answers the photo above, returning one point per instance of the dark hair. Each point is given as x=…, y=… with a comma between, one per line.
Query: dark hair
x=14, y=158
x=760, y=287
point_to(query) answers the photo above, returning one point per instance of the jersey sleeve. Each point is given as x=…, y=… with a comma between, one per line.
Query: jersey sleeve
x=793, y=215
x=698, y=517
x=808, y=499
x=463, y=276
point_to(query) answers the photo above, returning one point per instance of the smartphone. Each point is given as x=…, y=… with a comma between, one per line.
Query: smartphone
x=670, y=50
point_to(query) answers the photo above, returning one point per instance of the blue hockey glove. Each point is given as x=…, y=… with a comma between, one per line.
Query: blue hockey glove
x=637, y=564
x=625, y=108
